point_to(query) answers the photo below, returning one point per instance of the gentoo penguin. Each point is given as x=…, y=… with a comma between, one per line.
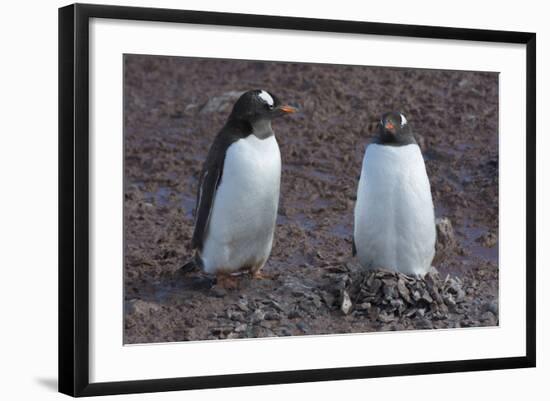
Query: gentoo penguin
x=394, y=214
x=238, y=191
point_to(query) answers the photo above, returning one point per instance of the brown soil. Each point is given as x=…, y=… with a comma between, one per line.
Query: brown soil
x=173, y=109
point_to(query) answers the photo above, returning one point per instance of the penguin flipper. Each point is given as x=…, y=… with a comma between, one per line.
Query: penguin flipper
x=189, y=267
x=193, y=265
x=209, y=181
x=211, y=177
x=353, y=248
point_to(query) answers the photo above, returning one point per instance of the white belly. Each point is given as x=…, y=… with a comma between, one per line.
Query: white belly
x=394, y=215
x=240, y=232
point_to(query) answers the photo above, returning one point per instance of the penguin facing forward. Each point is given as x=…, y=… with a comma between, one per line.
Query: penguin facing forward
x=238, y=193
x=394, y=214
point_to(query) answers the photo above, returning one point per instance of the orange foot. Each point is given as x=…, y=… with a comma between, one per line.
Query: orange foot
x=227, y=281
x=258, y=275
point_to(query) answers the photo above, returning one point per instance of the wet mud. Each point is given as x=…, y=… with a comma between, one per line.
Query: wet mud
x=173, y=108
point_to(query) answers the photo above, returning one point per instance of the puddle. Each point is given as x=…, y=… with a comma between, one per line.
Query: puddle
x=160, y=197
x=297, y=218
x=469, y=239
x=166, y=197
x=170, y=288
x=188, y=204
x=342, y=230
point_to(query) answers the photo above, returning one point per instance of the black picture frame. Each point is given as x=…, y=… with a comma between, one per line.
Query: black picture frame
x=74, y=198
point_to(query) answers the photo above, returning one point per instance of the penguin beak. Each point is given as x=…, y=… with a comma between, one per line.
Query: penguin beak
x=287, y=109
x=388, y=126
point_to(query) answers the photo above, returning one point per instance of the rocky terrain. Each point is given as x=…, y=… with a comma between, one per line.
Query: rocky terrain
x=173, y=108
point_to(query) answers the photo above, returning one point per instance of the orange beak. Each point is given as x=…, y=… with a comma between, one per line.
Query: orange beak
x=288, y=109
x=389, y=126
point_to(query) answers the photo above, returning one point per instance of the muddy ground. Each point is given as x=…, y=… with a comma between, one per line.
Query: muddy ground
x=173, y=108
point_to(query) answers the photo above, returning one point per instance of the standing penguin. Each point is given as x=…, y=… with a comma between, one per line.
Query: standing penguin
x=238, y=191
x=394, y=214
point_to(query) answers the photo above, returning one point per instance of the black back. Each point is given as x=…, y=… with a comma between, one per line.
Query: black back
x=211, y=176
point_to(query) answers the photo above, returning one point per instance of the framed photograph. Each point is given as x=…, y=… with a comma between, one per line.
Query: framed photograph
x=250, y=199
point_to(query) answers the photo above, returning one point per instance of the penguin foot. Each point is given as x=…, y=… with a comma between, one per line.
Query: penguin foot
x=258, y=275
x=227, y=281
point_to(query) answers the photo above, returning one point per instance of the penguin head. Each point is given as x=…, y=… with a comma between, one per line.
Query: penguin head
x=259, y=104
x=394, y=129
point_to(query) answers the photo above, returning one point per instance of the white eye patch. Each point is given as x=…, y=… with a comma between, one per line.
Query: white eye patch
x=266, y=97
x=403, y=120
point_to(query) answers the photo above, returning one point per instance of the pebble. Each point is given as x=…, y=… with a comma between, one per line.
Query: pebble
x=374, y=312
x=272, y=316
x=258, y=316
x=389, y=291
x=403, y=290
x=242, y=304
x=316, y=300
x=446, y=239
x=221, y=330
x=386, y=317
x=426, y=297
x=276, y=305
x=294, y=314
x=141, y=307
x=488, y=240
x=363, y=306
x=302, y=327
x=491, y=306
x=241, y=327
x=346, y=305
x=425, y=324
x=328, y=298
